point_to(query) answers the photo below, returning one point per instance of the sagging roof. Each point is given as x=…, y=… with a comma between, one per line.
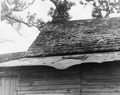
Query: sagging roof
x=63, y=62
x=71, y=43
x=77, y=37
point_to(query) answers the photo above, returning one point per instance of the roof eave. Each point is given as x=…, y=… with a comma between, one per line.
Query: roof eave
x=63, y=62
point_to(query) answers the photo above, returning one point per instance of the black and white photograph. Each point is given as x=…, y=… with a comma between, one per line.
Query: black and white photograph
x=60, y=47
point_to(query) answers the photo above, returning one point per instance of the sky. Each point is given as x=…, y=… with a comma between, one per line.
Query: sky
x=14, y=42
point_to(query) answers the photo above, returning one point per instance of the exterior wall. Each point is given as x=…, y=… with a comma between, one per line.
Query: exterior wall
x=47, y=80
x=100, y=79
x=84, y=79
x=9, y=85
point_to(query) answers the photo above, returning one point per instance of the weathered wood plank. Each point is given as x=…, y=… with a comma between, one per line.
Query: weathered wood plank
x=101, y=87
x=3, y=86
x=49, y=70
x=100, y=79
x=49, y=87
x=8, y=86
x=99, y=93
x=101, y=73
x=64, y=91
x=53, y=94
x=57, y=72
x=0, y=86
x=65, y=61
x=35, y=81
x=47, y=82
x=55, y=77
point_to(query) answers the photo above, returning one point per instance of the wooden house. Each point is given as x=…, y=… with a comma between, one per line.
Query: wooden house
x=53, y=63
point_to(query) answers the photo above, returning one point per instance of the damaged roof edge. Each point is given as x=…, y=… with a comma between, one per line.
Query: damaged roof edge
x=11, y=56
x=63, y=62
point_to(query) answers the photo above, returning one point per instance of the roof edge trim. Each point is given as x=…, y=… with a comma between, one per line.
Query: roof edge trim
x=64, y=62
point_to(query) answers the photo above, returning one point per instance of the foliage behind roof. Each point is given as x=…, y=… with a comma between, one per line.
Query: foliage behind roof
x=76, y=37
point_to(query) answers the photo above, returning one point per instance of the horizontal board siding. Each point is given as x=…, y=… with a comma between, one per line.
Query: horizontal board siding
x=53, y=82
x=101, y=87
x=90, y=79
x=71, y=91
x=47, y=82
x=58, y=76
x=100, y=93
x=100, y=79
x=49, y=87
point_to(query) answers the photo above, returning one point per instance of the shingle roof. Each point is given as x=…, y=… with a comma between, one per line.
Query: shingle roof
x=73, y=42
x=11, y=56
x=76, y=37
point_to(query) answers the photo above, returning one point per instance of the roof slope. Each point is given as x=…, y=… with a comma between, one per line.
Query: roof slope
x=73, y=42
x=11, y=56
x=76, y=37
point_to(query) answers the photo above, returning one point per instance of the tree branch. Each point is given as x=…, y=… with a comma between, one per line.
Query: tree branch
x=20, y=21
x=16, y=8
x=55, y=2
x=3, y=40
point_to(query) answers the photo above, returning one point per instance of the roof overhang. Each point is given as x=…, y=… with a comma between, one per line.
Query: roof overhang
x=63, y=62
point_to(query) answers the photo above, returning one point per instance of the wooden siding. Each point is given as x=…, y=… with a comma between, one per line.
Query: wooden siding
x=49, y=81
x=84, y=79
x=8, y=85
x=100, y=79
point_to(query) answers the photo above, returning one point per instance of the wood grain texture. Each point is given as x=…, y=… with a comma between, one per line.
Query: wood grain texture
x=65, y=61
x=84, y=79
x=9, y=86
x=100, y=79
x=100, y=93
x=50, y=81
